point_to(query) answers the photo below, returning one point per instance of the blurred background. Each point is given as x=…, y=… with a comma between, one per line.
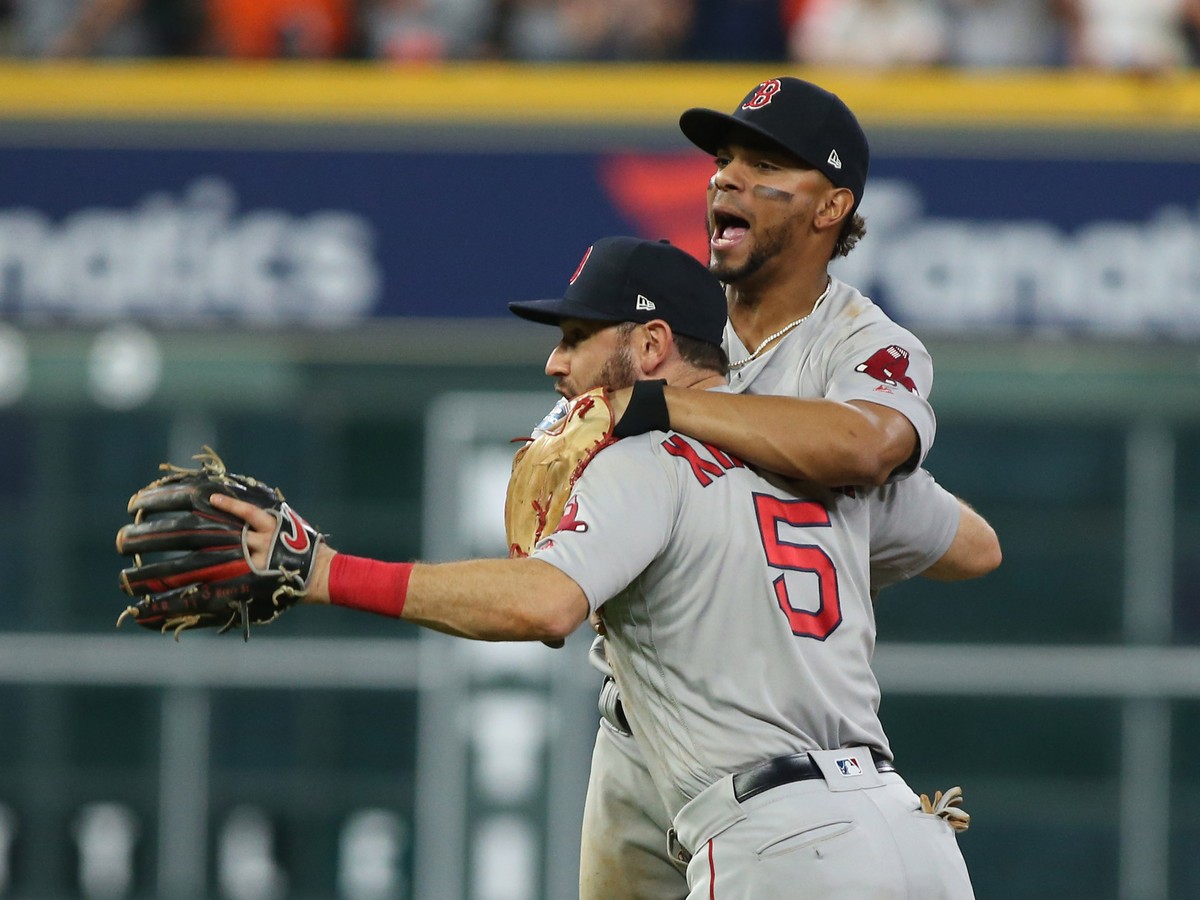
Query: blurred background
x=289, y=228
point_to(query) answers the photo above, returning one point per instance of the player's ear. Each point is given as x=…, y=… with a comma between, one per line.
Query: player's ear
x=652, y=345
x=834, y=207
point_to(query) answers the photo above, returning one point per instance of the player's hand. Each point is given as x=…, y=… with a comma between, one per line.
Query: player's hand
x=262, y=526
x=260, y=537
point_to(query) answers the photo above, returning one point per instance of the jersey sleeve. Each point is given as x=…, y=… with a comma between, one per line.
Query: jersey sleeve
x=617, y=521
x=886, y=364
x=913, y=524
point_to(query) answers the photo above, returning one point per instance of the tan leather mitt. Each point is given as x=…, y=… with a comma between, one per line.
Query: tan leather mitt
x=545, y=470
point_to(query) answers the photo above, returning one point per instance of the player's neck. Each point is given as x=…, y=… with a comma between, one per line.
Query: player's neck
x=700, y=379
x=678, y=372
x=757, y=311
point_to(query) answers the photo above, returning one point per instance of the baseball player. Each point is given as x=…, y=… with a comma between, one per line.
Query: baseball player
x=791, y=164
x=738, y=613
x=842, y=391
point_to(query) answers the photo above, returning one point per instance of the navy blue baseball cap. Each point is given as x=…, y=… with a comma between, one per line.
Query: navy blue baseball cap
x=797, y=116
x=628, y=279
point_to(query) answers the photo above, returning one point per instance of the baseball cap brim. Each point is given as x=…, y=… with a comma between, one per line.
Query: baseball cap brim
x=710, y=130
x=551, y=312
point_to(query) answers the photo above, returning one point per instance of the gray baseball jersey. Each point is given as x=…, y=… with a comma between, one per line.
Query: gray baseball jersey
x=623, y=849
x=898, y=550
x=847, y=349
x=740, y=623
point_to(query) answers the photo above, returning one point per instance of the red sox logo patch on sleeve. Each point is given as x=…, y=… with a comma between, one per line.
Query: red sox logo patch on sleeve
x=570, y=520
x=890, y=366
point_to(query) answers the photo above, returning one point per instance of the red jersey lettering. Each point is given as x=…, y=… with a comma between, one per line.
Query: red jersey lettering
x=727, y=462
x=704, y=470
x=789, y=556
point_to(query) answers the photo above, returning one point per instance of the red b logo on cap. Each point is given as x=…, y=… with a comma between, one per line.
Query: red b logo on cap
x=763, y=94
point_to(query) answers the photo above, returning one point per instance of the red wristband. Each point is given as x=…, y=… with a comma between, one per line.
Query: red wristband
x=367, y=584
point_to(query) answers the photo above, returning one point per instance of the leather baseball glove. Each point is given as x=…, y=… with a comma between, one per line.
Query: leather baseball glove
x=545, y=470
x=191, y=566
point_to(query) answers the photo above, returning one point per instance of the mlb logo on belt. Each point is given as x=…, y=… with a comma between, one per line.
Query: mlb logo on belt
x=848, y=766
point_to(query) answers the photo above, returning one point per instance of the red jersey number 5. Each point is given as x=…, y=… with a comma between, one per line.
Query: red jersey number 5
x=781, y=554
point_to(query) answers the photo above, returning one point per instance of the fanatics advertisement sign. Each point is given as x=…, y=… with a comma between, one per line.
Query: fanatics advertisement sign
x=334, y=237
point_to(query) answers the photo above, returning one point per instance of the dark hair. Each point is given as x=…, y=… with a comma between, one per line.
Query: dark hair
x=702, y=354
x=853, y=230
x=693, y=351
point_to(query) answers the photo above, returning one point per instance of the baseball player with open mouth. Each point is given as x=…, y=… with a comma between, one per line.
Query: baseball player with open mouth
x=823, y=387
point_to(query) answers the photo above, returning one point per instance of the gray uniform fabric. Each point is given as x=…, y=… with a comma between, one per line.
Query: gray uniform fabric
x=847, y=349
x=624, y=849
x=740, y=621
x=739, y=616
x=624, y=845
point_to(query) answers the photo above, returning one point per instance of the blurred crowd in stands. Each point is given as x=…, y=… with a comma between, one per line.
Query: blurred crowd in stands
x=1140, y=35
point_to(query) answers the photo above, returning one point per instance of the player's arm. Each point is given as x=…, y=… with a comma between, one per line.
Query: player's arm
x=920, y=528
x=829, y=442
x=974, y=552
x=487, y=599
x=484, y=599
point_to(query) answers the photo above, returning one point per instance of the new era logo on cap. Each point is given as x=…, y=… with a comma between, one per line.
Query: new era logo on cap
x=834, y=160
x=644, y=302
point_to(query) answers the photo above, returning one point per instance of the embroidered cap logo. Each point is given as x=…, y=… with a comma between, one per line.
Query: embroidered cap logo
x=762, y=95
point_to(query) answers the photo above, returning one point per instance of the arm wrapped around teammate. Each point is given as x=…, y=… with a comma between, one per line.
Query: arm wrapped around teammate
x=192, y=567
x=545, y=470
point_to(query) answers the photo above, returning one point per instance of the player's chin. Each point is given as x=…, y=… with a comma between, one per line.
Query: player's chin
x=725, y=270
x=726, y=261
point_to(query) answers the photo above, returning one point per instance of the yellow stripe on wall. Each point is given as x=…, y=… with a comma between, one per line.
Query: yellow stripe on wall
x=569, y=95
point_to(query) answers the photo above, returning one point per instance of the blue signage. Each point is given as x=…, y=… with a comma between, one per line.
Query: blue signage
x=331, y=237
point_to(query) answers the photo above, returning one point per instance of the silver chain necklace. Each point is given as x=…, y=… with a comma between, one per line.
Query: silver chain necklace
x=782, y=331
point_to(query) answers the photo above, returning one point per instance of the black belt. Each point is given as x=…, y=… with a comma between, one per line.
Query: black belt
x=611, y=707
x=785, y=770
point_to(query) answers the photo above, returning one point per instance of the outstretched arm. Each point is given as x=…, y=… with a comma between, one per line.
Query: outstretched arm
x=487, y=599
